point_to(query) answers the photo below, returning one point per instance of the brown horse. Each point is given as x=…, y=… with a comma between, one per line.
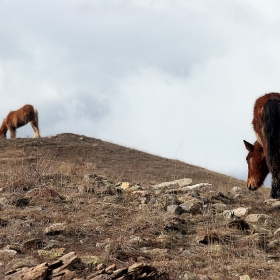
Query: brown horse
x=264, y=154
x=21, y=117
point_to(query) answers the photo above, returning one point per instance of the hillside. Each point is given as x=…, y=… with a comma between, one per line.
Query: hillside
x=74, y=206
x=117, y=162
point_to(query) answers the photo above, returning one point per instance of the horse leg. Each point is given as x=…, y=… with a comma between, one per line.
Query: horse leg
x=12, y=132
x=275, y=187
x=36, y=129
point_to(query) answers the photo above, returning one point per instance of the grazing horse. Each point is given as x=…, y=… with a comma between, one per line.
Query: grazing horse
x=19, y=118
x=264, y=155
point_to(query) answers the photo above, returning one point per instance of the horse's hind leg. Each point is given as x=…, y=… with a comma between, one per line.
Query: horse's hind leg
x=12, y=132
x=36, y=129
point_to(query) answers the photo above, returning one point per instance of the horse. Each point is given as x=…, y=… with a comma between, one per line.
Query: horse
x=264, y=155
x=18, y=118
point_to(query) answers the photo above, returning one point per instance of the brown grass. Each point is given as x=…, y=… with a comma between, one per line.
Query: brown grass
x=83, y=174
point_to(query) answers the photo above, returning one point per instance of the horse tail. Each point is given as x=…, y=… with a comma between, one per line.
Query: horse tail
x=271, y=122
x=36, y=118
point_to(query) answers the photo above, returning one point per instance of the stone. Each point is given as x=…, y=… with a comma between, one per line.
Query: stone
x=188, y=276
x=52, y=254
x=20, y=263
x=219, y=207
x=237, y=190
x=193, y=206
x=68, y=261
x=125, y=185
x=241, y=211
x=198, y=186
x=274, y=244
x=56, y=228
x=110, y=269
x=38, y=272
x=93, y=261
x=254, y=218
x=228, y=214
x=34, y=243
x=175, y=209
x=179, y=183
x=245, y=277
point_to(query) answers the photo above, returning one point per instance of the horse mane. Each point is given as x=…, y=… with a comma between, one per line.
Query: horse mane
x=271, y=119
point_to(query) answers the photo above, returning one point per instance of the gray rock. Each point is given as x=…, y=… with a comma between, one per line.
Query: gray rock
x=175, y=209
x=193, y=206
x=254, y=218
x=179, y=183
x=237, y=190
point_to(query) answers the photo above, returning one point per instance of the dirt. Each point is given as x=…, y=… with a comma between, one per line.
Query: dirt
x=76, y=181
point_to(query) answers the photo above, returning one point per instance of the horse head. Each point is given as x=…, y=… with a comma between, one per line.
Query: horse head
x=257, y=166
x=3, y=129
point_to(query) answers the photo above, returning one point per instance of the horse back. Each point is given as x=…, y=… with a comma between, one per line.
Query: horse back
x=21, y=116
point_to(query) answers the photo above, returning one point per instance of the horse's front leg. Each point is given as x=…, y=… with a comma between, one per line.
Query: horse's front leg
x=275, y=187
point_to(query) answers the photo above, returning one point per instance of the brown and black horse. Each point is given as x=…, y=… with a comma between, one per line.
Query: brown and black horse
x=264, y=154
x=18, y=118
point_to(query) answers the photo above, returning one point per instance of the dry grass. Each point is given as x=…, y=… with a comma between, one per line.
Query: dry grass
x=74, y=181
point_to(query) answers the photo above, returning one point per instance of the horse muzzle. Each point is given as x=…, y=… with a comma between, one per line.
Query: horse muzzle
x=252, y=186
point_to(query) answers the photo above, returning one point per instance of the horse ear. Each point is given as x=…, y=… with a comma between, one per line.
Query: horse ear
x=248, y=146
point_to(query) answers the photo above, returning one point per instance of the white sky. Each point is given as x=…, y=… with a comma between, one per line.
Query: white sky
x=176, y=78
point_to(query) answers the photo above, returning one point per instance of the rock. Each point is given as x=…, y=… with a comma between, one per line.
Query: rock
x=239, y=225
x=176, y=223
x=193, y=206
x=188, y=276
x=52, y=254
x=34, y=243
x=178, y=183
x=276, y=205
x=235, y=213
x=38, y=272
x=66, y=266
x=186, y=253
x=274, y=244
x=175, y=209
x=198, y=186
x=241, y=211
x=56, y=228
x=254, y=218
x=228, y=214
x=20, y=263
x=237, y=190
x=245, y=277
x=68, y=261
x=125, y=185
x=93, y=261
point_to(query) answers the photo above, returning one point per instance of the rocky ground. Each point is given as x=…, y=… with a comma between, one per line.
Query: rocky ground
x=74, y=207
